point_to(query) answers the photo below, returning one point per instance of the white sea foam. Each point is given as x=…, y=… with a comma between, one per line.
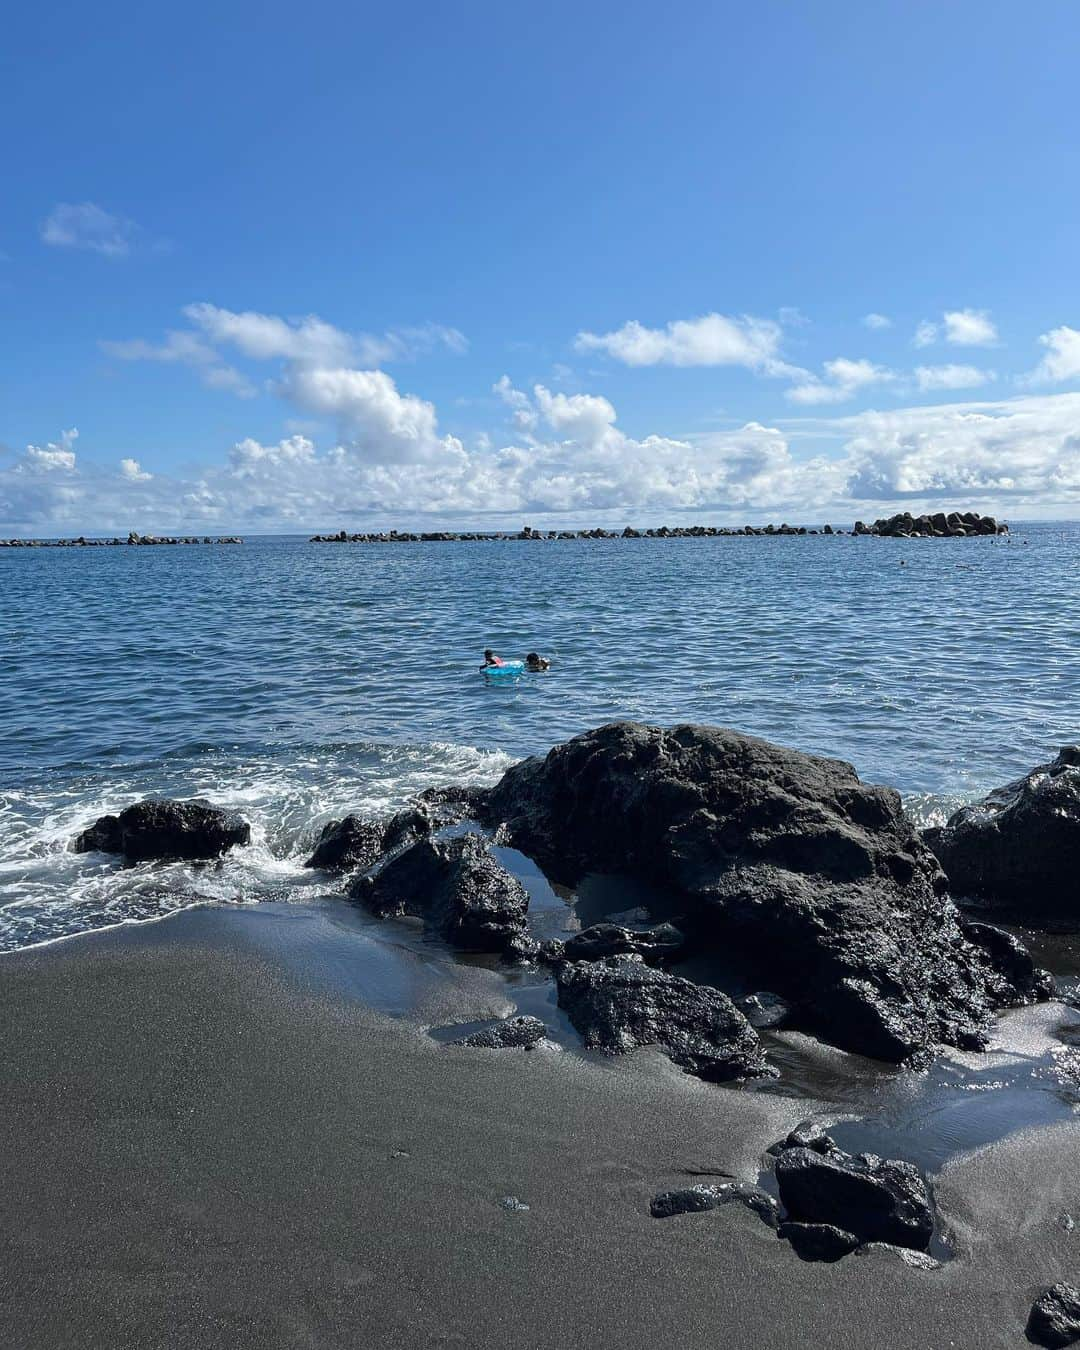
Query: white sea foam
x=48, y=892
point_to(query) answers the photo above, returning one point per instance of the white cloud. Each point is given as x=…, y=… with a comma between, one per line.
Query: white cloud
x=372, y=416
x=1004, y=456
x=1062, y=359
x=711, y=340
x=188, y=349
x=844, y=378
x=56, y=455
x=579, y=417
x=1024, y=450
x=876, y=321
x=952, y=377
x=87, y=226
x=133, y=471
x=960, y=327
x=313, y=341
x=970, y=328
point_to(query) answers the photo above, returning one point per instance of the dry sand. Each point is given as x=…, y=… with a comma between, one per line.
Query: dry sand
x=199, y=1152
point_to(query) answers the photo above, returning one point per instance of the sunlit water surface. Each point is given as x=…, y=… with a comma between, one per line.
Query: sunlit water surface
x=297, y=681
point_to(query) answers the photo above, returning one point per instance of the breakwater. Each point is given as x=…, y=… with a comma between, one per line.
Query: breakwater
x=940, y=525
x=133, y=538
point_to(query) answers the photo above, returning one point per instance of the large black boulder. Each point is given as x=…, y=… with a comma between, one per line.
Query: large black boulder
x=620, y=1002
x=162, y=829
x=462, y=894
x=1020, y=846
x=357, y=842
x=1054, y=1319
x=875, y=1200
x=785, y=858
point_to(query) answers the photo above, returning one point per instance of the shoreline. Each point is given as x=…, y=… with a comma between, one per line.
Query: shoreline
x=203, y=1150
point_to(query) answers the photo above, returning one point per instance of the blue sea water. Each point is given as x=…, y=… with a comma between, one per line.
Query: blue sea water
x=297, y=681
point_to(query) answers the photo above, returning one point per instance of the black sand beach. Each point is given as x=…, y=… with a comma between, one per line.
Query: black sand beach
x=202, y=1150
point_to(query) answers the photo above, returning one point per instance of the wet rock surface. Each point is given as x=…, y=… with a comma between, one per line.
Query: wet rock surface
x=653, y=945
x=763, y=1010
x=160, y=829
x=1020, y=846
x=514, y=1033
x=784, y=858
x=866, y=1197
x=459, y=890
x=1054, y=1319
x=700, y=1198
x=619, y=1003
x=358, y=843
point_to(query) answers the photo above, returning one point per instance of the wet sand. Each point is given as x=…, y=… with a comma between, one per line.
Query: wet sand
x=201, y=1150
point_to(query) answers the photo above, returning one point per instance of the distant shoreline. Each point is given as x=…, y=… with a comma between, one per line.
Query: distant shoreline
x=941, y=525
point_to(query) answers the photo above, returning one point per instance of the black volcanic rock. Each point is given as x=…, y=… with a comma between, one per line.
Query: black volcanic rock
x=162, y=829
x=1054, y=1319
x=610, y=939
x=872, y=1199
x=356, y=842
x=513, y=1033
x=620, y=1003
x=818, y=1241
x=1020, y=847
x=701, y=1198
x=785, y=858
x=458, y=889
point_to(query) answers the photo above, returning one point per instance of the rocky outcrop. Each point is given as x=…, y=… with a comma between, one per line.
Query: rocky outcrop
x=458, y=889
x=620, y=1003
x=133, y=538
x=512, y=1033
x=655, y=945
x=940, y=525
x=1020, y=846
x=1054, y=1319
x=357, y=842
x=162, y=829
x=834, y=1202
x=955, y=524
x=787, y=859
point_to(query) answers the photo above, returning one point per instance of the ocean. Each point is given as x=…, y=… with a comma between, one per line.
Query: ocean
x=298, y=681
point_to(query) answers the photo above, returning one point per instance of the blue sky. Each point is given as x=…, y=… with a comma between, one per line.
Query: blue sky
x=273, y=263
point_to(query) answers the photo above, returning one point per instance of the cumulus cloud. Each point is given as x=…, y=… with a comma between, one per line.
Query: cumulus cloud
x=309, y=342
x=961, y=328
x=52, y=457
x=951, y=377
x=711, y=340
x=970, y=328
x=843, y=379
x=877, y=321
x=1024, y=450
x=371, y=414
x=1062, y=359
x=85, y=225
x=1005, y=456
